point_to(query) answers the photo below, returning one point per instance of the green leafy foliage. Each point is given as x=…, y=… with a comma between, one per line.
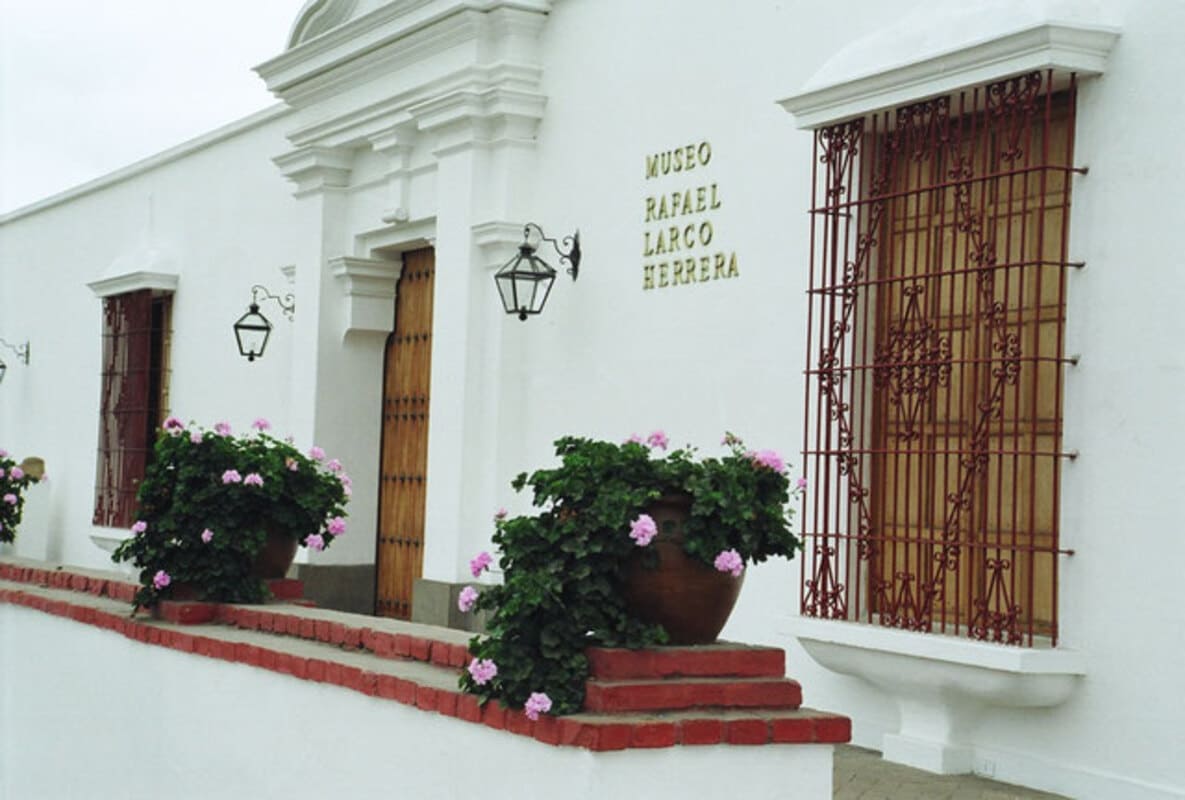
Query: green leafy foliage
x=184, y=493
x=13, y=482
x=563, y=566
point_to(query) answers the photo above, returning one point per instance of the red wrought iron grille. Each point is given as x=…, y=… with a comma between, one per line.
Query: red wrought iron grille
x=933, y=433
x=134, y=380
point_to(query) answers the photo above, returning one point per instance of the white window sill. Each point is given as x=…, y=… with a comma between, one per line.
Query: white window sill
x=941, y=684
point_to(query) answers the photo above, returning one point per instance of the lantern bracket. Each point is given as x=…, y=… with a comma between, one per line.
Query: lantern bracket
x=569, y=253
x=22, y=351
x=287, y=303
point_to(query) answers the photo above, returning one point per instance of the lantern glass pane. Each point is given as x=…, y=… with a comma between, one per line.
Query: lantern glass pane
x=251, y=332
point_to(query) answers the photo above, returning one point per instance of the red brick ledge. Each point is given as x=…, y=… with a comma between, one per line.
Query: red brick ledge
x=596, y=732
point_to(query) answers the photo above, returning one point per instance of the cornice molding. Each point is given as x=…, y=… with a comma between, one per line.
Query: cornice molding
x=368, y=285
x=497, y=241
x=371, y=31
x=315, y=169
x=159, y=282
x=1062, y=47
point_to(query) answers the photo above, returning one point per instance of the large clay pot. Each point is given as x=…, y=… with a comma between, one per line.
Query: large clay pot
x=688, y=598
x=276, y=555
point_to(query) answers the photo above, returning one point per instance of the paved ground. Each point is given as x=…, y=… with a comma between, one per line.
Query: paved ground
x=862, y=775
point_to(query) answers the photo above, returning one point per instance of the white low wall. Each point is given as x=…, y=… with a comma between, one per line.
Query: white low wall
x=89, y=713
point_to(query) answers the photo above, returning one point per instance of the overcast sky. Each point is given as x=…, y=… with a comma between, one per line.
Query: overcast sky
x=89, y=86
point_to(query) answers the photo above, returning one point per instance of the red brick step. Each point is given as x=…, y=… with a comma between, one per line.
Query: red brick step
x=685, y=693
x=708, y=661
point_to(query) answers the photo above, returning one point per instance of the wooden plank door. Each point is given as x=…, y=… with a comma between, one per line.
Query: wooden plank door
x=404, y=462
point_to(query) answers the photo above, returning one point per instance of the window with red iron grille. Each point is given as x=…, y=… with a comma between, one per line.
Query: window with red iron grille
x=133, y=399
x=935, y=353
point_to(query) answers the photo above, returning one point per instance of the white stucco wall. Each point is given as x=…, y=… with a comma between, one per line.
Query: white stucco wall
x=138, y=721
x=625, y=80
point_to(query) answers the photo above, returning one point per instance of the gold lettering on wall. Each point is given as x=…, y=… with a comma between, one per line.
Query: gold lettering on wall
x=678, y=222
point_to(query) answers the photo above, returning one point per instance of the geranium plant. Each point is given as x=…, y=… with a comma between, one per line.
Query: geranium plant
x=13, y=482
x=563, y=565
x=209, y=500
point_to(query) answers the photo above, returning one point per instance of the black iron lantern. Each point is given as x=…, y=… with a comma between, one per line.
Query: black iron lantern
x=253, y=328
x=525, y=281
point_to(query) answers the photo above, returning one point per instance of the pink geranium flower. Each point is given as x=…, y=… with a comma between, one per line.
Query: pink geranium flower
x=232, y=476
x=292, y=464
x=316, y=453
x=482, y=671
x=139, y=526
x=800, y=484
x=658, y=440
x=345, y=479
x=334, y=465
x=769, y=459
x=174, y=426
x=261, y=424
x=10, y=499
x=634, y=439
x=161, y=579
x=253, y=479
x=3, y=453
x=16, y=473
x=730, y=561
x=222, y=428
x=315, y=542
x=336, y=526
x=196, y=437
x=480, y=563
x=643, y=530
x=500, y=514
x=467, y=599
x=1, y=473
x=538, y=703
x=207, y=535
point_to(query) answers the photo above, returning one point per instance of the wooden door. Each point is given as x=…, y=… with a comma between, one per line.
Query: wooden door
x=404, y=463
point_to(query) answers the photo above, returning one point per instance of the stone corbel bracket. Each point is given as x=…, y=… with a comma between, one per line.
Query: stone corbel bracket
x=369, y=286
x=497, y=242
x=315, y=169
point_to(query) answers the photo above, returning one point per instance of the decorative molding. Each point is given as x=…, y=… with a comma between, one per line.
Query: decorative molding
x=369, y=287
x=497, y=241
x=1062, y=47
x=397, y=144
x=371, y=30
x=318, y=17
x=160, y=282
x=314, y=168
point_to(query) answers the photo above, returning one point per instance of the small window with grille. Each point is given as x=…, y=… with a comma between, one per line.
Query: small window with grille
x=933, y=432
x=134, y=398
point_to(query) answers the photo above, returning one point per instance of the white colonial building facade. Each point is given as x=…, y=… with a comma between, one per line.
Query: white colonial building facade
x=919, y=247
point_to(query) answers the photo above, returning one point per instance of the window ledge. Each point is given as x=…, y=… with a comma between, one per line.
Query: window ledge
x=925, y=58
x=158, y=282
x=941, y=684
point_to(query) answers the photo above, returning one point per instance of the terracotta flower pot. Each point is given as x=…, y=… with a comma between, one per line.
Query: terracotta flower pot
x=276, y=555
x=691, y=600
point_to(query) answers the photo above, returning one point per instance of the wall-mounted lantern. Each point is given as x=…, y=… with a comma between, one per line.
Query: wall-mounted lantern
x=253, y=328
x=525, y=281
x=22, y=354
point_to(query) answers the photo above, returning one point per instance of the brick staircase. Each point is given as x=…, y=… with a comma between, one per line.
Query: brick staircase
x=718, y=694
